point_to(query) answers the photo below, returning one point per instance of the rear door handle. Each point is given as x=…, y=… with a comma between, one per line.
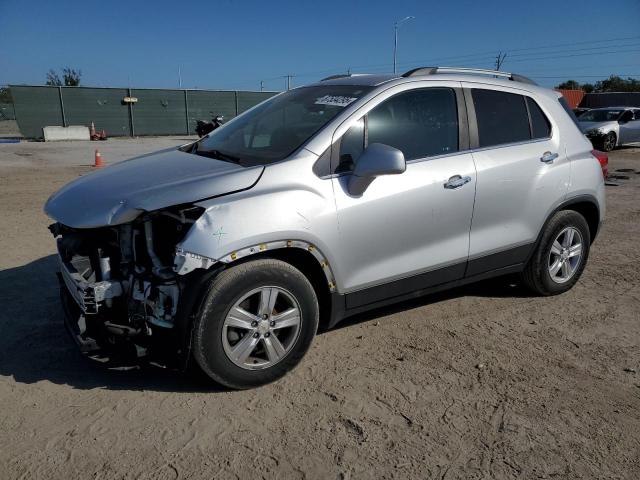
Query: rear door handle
x=548, y=157
x=456, y=182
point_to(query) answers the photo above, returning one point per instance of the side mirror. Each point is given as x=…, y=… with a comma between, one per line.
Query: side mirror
x=626, y=117
x=376, y=160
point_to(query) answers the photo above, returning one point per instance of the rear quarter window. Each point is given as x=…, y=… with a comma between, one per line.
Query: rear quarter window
x=540, y=126
x=567, y=109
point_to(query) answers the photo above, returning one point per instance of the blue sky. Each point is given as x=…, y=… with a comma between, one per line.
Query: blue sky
x=231, y=44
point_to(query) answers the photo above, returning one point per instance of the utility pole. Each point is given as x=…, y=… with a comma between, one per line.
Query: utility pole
x=289, y=77
x=395, y=40
x=500, y=59
x=261, y=85
x=179, y=76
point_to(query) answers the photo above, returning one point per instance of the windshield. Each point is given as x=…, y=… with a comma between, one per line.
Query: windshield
x=600, y=116
x=275, y=129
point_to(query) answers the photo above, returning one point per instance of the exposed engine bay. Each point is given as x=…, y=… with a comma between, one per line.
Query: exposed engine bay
x=123, y=291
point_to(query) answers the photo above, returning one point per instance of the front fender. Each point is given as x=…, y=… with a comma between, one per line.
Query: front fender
x=254, y=222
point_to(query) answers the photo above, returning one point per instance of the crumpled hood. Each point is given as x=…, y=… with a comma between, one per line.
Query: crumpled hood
x=608, y=126
x=119, y=193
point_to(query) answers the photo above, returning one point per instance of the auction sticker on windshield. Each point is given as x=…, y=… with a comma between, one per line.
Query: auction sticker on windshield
x=335, y=100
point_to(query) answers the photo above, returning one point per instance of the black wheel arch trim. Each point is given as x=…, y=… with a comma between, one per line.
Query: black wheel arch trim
x=584, y=198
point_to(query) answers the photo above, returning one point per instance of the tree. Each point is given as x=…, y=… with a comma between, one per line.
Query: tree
x=611, y=84
x=569, y=85
x=5, y=95
x=587, y=87
x=53, y=78
x=70, y=77
x=618, y=84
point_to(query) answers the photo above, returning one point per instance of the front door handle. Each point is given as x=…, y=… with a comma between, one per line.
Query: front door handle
x=548, y=157
x=456, y=182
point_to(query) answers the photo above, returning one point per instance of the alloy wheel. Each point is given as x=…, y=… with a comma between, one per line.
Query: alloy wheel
x=261, y=328
x=609, y=142
x=565, y=255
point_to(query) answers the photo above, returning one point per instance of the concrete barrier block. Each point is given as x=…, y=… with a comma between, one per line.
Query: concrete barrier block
x=73, y=132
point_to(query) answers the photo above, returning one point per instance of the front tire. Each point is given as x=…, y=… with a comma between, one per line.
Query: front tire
x=256, y=323
x=561, y=255
x=609, y=142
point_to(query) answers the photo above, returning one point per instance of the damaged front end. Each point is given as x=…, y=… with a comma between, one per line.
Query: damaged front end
x=123, y=296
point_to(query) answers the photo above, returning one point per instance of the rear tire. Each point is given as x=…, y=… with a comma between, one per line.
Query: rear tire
x=560, y=256
x=237, y=311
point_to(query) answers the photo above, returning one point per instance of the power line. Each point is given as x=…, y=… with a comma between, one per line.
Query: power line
x=486, y=60
x=576, y=50
x=576, y=43
x=529, y=57
x=605, y=76
x=489, y=54
x=574, y=55
x=479, y=57
x=582, y=67
x=510, y=51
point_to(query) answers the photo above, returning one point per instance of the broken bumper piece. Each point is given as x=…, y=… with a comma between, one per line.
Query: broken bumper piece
x=91, y=335
x=87, y=295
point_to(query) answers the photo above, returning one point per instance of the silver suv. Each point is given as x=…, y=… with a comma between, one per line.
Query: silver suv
x=320, y=203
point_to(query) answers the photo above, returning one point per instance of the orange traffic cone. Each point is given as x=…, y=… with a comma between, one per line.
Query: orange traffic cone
x=98, y=160
x=92, y=131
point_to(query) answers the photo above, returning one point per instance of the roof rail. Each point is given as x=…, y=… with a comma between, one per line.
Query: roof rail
x=333, y=77
x=343, y=75
x=477, y=71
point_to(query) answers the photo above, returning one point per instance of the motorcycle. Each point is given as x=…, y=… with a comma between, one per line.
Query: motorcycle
x=203, y=128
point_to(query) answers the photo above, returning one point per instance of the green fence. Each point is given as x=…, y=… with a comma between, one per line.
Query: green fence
x=156, y=112
x=6, y=111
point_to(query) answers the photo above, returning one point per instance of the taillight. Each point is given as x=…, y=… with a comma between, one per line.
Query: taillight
x=603, y=158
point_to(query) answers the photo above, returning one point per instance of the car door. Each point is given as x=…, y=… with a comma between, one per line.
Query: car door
x=636, y=126
x=408, y=231
x=522, y=173
x=630, y=127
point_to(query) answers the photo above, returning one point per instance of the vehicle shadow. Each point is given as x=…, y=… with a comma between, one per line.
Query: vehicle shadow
x=35, y=346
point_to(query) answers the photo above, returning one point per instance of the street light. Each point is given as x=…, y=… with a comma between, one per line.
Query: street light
x=395, y=39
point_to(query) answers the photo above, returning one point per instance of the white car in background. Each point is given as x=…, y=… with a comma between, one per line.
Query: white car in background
x=611, y=127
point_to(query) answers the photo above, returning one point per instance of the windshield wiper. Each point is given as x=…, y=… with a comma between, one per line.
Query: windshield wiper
x=218, y=155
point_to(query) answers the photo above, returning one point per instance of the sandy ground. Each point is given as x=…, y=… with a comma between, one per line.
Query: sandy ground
x=481, y=382
x=81, y=153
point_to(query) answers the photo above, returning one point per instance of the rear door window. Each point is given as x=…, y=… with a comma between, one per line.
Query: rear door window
x=502, y=117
